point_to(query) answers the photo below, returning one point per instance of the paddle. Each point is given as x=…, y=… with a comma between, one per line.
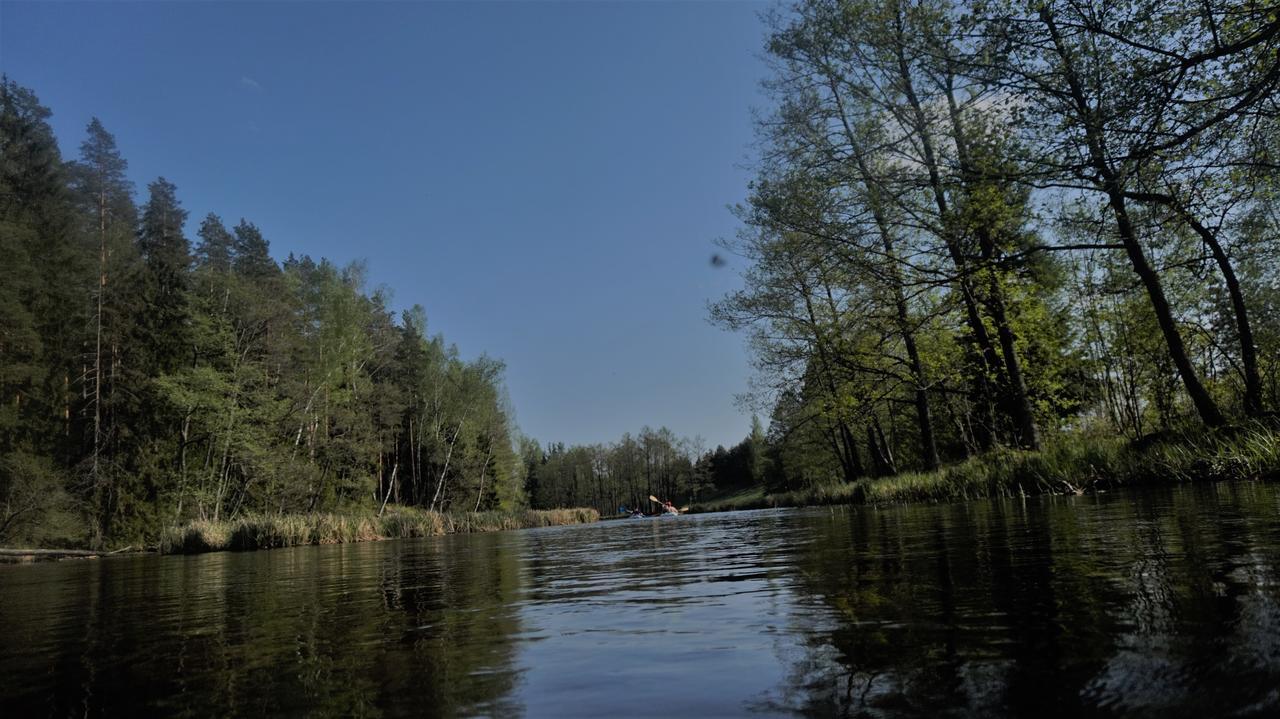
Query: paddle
x=664, y=504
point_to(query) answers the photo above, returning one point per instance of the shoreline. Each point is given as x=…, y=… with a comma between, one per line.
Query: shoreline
x=31, y=555
x=1067, y=466
x=256, y=532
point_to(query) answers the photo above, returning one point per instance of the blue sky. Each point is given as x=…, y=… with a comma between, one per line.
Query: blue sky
x=546, y=179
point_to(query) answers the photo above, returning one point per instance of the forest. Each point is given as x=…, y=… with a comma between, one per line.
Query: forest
x=1006, y=275
x=975, y=229
x=148, y=377
x=625, y=474
x=980, y=225
x=978, y=228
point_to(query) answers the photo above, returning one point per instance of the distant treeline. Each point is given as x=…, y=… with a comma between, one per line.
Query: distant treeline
x=146, y=379
x=978, y=224
x=626, y=473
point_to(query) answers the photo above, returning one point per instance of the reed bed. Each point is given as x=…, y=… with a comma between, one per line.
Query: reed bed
x=1070, y=465
x=266, y=531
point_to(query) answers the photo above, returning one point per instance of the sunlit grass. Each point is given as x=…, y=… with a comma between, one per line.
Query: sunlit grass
x=1068, y=465
x=262, y=531
x=748, y=498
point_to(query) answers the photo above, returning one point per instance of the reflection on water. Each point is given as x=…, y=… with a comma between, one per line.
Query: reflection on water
x=1159, y=603
x=1152, y=604
x=352, y=629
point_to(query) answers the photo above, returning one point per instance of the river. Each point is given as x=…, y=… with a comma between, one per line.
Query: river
x=1161, y=602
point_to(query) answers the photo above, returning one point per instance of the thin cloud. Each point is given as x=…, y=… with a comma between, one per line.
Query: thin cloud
x=250, y=83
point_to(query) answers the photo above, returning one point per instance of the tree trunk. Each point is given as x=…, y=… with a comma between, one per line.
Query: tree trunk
x=447, y=458
x=480, y=492
x=985, y=359
x=182, y=463
x=924, y=417
x=394, y=469
x=97, y=348
x=1253, y=405
x=1111, y=185
x=1017, y=395
x=886, y=449
x=851, y=461
x=879, y=463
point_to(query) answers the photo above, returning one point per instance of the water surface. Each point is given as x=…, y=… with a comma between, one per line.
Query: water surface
x=1152, y=603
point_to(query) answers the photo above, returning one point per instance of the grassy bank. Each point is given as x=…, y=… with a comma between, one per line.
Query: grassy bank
x=1068, y=465
x=289, y=530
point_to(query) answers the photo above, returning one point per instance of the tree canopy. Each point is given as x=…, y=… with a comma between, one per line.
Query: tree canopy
x=144, y=381
x=976, y=224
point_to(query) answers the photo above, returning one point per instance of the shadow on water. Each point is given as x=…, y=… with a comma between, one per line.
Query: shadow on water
x=1163, y=603
x=1153, y=603
x=355, y=629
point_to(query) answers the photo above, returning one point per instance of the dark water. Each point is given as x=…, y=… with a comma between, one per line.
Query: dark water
x=1159, y=603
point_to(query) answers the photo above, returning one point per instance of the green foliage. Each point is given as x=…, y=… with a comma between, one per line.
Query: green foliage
x=1072, y=465
x=976, y=228
x=609, y=477
x=35, y=510
x=144, y=385
x=258, y=531
x=982, y=226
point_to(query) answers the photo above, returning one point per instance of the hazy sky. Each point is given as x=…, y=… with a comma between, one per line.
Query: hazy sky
x=546, y=179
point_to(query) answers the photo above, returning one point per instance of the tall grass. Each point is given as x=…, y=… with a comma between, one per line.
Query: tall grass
x=264, y=531
x=1068, y=465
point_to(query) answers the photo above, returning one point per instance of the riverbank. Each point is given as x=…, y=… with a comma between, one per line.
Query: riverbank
x=290, y=530
x=1067, y=465
x=9, y=555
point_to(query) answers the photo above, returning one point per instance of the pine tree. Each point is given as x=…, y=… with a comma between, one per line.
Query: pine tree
x=106, y=201
x=216, y=247
x=253, y=257
x=41, y=283
x=166, y=256
x=47, y=276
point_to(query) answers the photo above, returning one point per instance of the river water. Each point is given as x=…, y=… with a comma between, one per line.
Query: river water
x=1153, y=603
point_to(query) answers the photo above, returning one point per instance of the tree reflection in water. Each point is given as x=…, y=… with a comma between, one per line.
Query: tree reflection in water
x=1154, y=603
x=364, y=629
x=1161, y=603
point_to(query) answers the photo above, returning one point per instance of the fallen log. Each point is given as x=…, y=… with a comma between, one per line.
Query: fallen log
x=35, y=554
